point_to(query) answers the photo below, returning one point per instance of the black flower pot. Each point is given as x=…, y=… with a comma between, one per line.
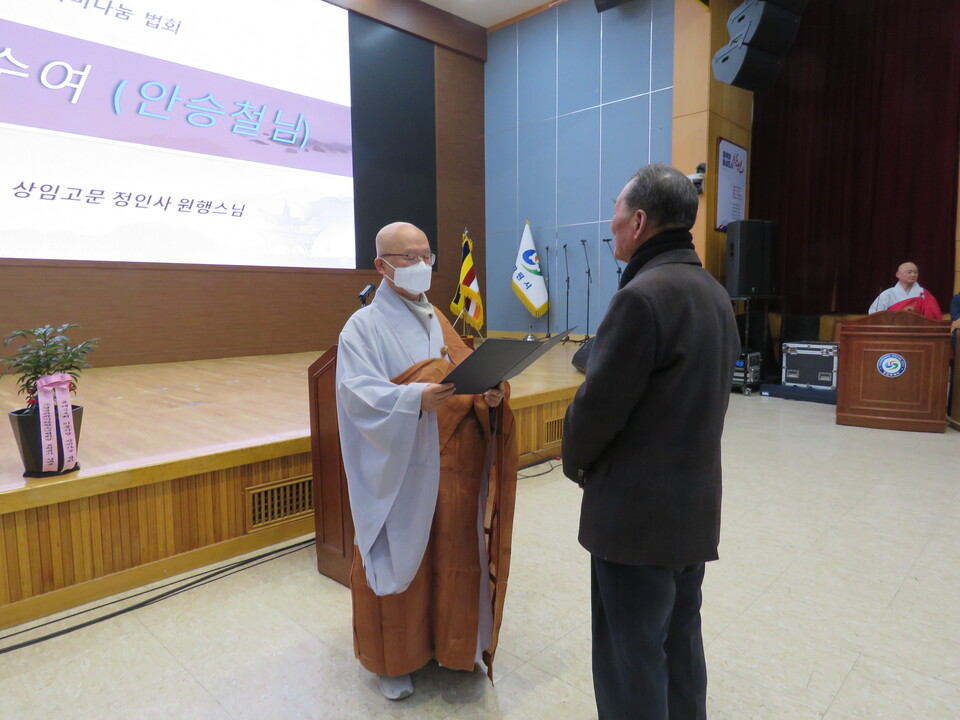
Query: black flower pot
x=26, y=431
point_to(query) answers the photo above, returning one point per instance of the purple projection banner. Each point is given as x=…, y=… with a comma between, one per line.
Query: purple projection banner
x=56, y=82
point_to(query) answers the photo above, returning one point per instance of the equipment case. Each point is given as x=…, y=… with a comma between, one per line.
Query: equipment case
x=810, y=365
x=746, y=373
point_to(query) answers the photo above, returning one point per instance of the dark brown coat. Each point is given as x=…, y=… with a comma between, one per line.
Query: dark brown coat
x=643, y=432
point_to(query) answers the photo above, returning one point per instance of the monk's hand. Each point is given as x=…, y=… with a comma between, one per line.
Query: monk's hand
x=436, y=394
x=494, y=395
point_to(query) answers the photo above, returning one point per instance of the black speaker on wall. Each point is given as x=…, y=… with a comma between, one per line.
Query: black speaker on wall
x=752, y=258
x=607, y=4
x=761, y=33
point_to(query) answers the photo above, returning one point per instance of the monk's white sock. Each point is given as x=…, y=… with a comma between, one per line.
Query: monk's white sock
x=396, y=688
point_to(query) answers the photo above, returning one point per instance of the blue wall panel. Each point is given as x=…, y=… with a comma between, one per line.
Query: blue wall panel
x=625, y=52
x=578, y=167
x=576, y=100
x=500, y=157
x=626, y=146
x=500, y=301
x=661, y=126
x=500, y=81
x=537, y=172
x=661, y=55
x=537, y=70
x=578, y=57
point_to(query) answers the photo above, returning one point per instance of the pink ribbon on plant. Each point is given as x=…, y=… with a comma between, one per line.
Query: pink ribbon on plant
x=53, y=400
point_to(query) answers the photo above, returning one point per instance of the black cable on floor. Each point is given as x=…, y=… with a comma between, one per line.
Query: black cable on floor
x=187, y=583
x=550, y=461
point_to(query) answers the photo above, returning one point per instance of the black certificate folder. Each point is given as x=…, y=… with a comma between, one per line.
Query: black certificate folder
x=498, y=359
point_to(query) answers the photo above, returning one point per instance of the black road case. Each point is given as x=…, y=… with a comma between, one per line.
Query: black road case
x=810, y=365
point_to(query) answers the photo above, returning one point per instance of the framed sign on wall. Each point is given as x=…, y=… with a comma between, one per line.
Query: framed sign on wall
x=731, y=183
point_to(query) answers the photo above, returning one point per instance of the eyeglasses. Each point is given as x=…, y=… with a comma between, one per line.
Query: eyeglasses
x=428, y=259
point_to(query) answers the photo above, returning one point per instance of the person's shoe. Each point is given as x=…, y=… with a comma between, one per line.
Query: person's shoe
x=395, y=687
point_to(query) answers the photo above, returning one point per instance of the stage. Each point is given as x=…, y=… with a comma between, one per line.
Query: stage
x=183, y=464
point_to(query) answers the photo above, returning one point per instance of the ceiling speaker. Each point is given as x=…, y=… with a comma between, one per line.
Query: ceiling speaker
x=761, y=33
x=607, y=4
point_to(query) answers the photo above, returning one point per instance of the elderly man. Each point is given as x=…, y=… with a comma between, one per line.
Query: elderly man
x=907, y=295
x=642, y=438
x=431, y=477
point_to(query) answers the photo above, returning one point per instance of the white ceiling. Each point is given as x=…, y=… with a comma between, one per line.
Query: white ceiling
x=487, y=12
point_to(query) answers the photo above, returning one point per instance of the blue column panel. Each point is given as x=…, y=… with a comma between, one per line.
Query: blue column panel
x=537, y=67
x=661, y=128
x=607, y=278
x=625, y=52
x=578, y=56
x=625, y=133
x=578, y=167
x=661, y=71
x=500, y=157
x=537, y=173
x=500, y=81
x=502, y=308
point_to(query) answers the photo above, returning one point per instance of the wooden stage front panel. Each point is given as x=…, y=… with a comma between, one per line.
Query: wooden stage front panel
x=185, y=464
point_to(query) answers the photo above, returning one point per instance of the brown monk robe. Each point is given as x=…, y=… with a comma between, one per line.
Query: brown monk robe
x=437, y=616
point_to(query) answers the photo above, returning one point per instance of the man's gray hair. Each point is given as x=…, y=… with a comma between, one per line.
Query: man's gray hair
x=665, y=194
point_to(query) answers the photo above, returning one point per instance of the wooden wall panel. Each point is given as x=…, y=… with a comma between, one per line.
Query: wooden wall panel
x=56, y=546
x=530, y=423
x=460, y=165
x=426, y=21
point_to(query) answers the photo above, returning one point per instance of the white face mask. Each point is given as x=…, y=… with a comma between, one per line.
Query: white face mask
x=414, y=279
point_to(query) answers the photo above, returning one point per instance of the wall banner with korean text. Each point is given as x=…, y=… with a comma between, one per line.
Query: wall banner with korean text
x=176, y=131
x=731, y=183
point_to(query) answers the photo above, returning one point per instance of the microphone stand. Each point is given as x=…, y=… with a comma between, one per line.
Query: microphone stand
x=566, y=266
x=615, y=261
x=365, y=294
x=586, y=257
x=546, y=281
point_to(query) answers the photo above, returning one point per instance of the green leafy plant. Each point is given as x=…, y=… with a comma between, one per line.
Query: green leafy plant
x=46, y=351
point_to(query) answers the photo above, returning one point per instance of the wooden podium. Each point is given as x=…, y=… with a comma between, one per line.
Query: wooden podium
x=954, y=418
x=893, y=372
x=331, y=504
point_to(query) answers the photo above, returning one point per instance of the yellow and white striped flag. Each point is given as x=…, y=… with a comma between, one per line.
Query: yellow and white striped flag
x=528, y=281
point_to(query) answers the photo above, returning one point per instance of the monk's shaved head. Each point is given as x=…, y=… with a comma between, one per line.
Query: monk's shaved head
x=399, y=237
x=907, y=274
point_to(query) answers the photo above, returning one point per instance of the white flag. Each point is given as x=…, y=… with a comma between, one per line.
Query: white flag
x=527, y=279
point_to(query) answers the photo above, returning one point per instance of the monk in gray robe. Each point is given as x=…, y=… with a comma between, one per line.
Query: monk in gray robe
x=431, y=478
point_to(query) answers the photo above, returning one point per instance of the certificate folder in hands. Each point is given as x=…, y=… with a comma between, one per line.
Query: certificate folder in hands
x=498, y=359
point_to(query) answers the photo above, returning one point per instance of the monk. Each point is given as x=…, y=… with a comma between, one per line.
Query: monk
x=431, y=478
x=907, y=295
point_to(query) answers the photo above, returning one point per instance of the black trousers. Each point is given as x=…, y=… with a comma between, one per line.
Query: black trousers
x=648, y=661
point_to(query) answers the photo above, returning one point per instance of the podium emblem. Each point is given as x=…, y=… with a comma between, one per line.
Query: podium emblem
x=891, y=365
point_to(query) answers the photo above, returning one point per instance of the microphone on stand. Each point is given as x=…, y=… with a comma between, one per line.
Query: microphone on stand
x=566, y=266
x=586, y=336
x=546, y=281
x=365, y=294
x=615, y=261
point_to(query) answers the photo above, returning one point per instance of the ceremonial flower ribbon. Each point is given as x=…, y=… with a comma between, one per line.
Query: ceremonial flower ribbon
x=53, y=400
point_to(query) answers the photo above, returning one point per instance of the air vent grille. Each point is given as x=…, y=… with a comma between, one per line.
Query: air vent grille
x=278, y=502
x=553, y=431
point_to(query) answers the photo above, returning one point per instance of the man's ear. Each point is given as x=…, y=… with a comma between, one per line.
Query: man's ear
x=378, y=264
x=643, y=222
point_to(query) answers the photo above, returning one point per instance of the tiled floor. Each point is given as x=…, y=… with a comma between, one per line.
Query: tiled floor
x=836, y=597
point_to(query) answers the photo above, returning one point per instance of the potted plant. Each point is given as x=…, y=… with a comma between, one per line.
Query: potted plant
x=48, y=428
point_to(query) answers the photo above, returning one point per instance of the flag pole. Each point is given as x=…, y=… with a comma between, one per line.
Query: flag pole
x=546, y=281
